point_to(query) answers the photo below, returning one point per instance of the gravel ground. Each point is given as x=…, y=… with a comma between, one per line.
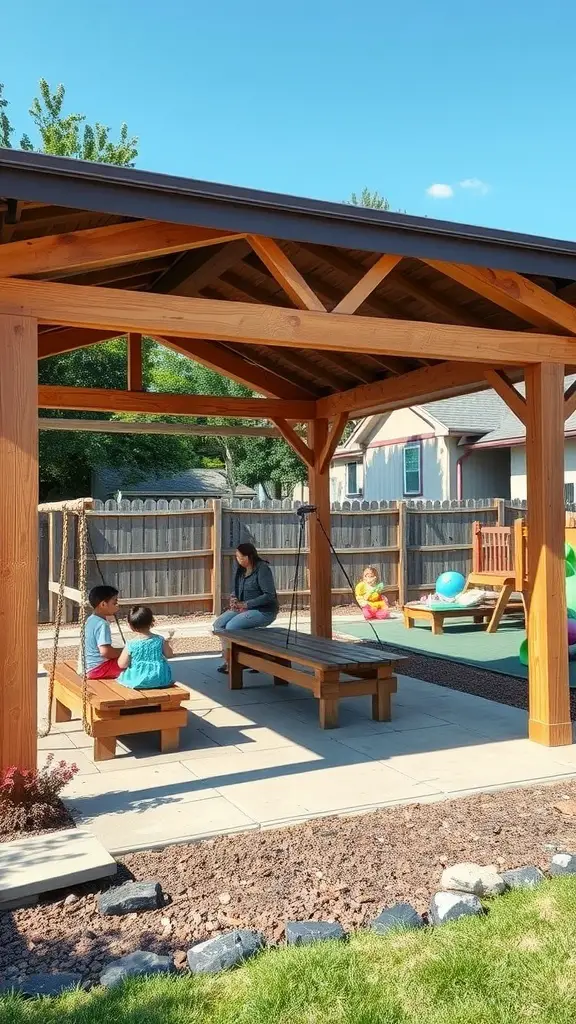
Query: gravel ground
x=346, y=869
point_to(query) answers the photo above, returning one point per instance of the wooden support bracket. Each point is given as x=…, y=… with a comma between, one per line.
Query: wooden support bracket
x=502, y=386
x=295, y=441
x=334, y=435
x=284, y=271
x=366, y=285
x=570, y=401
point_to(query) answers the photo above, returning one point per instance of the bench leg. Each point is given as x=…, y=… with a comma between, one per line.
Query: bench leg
x=61, y=713
x=104, y=748
x=381, y=702
x=235, y=670
x=169, y=740
x=437, y=625
x=499, y=610
x=328, y=712
x=408, y=621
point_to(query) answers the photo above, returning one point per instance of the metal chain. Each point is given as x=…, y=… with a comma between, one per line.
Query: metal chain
x=82, y=575
x=58, y=621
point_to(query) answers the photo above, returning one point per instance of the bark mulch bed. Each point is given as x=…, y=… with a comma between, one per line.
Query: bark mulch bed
x=346, y=869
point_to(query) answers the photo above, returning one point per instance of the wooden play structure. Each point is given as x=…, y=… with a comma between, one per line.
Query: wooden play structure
x=436, y=617
x=325, y=311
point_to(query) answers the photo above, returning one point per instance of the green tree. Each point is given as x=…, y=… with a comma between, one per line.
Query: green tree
x=371, y=199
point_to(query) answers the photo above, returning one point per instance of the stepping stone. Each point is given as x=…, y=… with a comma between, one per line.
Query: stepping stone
x=563, y=864
x=449, y=906
x=523, y=878
x=473, y=878
x=401, y=915
x=224, y=951
x=58, y=860
x=130, y=898
x=302, y=933
x=139, y=962
x=43, y=984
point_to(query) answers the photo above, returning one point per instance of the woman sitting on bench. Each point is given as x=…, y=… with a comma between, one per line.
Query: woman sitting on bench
x=144, y=659
x=254, y=602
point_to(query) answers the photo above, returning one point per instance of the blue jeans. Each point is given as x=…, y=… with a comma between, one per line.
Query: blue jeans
x=251, y=619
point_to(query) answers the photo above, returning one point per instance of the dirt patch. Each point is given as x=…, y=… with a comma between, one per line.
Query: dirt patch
x=51, y=819
x=346, y=869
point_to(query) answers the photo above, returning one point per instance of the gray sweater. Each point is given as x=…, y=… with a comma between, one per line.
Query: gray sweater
x=257, y=590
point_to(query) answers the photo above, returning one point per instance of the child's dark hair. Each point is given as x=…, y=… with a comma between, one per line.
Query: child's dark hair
x=101, y=593
x=140, y=617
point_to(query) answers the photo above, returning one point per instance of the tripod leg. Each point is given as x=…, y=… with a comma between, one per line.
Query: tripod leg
x=294, y=599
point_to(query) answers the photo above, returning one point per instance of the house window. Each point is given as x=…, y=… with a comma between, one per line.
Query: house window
x=412, y=457
x=352, y=478
x=568, y=494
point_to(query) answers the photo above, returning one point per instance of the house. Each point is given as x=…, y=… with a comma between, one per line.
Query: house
x=466, y=447
x=193, y=483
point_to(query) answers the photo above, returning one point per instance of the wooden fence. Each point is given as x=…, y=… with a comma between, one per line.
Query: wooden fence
x=178, y=556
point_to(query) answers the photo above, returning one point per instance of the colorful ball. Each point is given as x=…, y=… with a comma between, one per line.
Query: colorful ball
x=523, y=653
x=450, y=584
x=570, y=554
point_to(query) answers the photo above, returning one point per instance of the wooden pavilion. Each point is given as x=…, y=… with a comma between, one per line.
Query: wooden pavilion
x=326, y=310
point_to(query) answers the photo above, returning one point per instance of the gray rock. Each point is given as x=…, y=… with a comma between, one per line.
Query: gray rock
x=224, y=951
x=473, y=878
x=302, y=933
x=523, y=878
x=449, y=906
x=131, y=897
x=563, y=864
x=43, y=984
x=139, y=962
x=401, y=915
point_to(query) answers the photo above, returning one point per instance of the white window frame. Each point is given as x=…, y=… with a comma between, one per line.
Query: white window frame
x=410, y=445
x=353, y=462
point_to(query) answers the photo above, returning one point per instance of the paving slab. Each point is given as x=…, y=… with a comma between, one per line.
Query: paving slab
x=57, y=860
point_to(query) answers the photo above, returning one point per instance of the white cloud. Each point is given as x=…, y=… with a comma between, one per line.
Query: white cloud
x=440, y=191
x=475, y=185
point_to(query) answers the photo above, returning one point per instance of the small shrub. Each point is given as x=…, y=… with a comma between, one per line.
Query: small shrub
x=30, y=797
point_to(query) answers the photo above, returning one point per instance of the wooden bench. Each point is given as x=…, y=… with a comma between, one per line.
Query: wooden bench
x=436, y=616
x=330, y=661
x=114, y=710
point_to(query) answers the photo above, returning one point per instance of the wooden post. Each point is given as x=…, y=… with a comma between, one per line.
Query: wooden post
x=402, y=555
x=500, y=512
x=18, y=540
x=319, y=558
x=217, y=556
x=135, y=362
x=549, y=695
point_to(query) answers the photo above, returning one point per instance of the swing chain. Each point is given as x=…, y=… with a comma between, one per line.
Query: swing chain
x=57, y=623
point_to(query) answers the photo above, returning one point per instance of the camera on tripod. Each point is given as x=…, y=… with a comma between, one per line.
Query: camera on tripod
x=306, y=510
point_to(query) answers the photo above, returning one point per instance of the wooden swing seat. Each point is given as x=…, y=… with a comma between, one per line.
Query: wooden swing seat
x=114, y=710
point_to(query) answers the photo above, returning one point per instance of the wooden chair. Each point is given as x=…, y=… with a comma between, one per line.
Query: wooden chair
x=499, y=563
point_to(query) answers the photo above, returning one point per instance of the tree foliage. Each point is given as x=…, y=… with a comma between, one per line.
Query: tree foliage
x=373, y=200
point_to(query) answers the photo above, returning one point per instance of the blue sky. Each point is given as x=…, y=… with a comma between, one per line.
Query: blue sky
x=320, y=98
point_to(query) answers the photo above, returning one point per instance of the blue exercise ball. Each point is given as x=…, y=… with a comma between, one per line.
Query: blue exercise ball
x=450, y=584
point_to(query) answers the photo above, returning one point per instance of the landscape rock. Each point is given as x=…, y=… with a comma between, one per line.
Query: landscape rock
x=473, y=878
x=131, y=897
x=401, y=915
x=563, y=864
x=523, y=878
x=43, y=984
x=139, y=962
x=224, y=951
x=449, y=906
x=302, y=933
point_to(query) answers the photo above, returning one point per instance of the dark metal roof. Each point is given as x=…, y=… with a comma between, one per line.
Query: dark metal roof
x=124, y=192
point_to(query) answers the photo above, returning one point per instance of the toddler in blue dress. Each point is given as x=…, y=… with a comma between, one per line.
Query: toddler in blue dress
x=144, y=659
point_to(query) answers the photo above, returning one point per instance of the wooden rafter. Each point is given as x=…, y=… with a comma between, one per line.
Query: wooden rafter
x=281, y=365
x=284, y=271
x=155, y=403
x=101, y=247
x=155, y=427
x=56, y=343
x=513, y=292
x=190, y=274
x=294, y=440
x=502, y=386
x=570, y=401
x=366, y=285
x=443, y=380
x=332, y=441
x=135, y=362
x=174, y=315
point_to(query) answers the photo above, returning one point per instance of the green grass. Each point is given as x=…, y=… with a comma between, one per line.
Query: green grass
x=517, y=964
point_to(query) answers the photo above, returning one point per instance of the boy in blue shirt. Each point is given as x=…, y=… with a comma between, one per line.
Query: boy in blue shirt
x=101, y=656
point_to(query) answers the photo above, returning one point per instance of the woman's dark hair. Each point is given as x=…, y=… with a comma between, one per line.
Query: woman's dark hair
x=140, y=617
x=249, y=551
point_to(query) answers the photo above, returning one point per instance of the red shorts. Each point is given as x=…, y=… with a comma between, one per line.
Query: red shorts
x=107, y=670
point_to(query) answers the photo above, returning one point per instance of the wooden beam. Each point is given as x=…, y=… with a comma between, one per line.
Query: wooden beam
x=513, y=292
x=443, y=380
x=366, y=285
x=18, y=541
x=156, y=404
x=189, y=274
x=236, y=367
x=57, y=343
x=548, y=682
x=280, y=365
x=173, y=315
x=284, y=271
x=294, y=440
x=570, y=401
x=155, y=427
x=332, y=441
x=101, y=247
x=502, y=386
x=319, y=557
x=134, y=362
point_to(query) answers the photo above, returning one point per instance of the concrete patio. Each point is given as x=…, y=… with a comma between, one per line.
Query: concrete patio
x=256, y=758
